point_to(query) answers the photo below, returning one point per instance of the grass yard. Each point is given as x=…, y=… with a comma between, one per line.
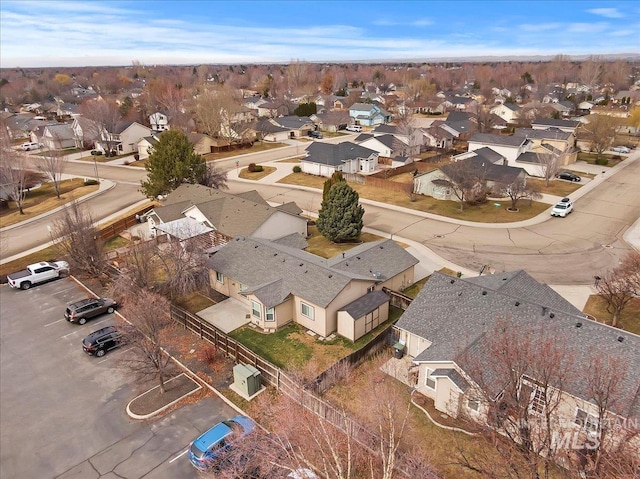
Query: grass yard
x=413, y=290
x=114, y=243
x=485, y=213
x=257, y=147
x=629, y=319
x=256, y=175
x=290, y=160
x=321, y=246
x=43, y=199
x=556, y=187
x=591, y=158
x=195, y=302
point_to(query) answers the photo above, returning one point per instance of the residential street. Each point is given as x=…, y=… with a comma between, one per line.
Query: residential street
x=554, y=250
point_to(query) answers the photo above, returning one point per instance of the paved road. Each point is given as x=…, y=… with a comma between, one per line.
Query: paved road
x=63, y=412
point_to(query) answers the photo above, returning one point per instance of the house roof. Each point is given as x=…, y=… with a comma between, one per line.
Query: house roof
x=455, y=116
x=268, y=126
x=171, y=212
x=492, y=172
x=294, y=122
x=549, y=122
x=273, y=271
x=294, y=240
x=363, y=137
x=184, y=228
x=529, y=157
x=548, y=134
x=336, y=154
x=365, y=304
x=452, y=374
x=500, y=140
x=463, y=126
x=456, y=315
x=489, y=154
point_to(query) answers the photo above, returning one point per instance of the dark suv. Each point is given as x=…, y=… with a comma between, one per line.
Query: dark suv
x=84, y=309
x=101, y=341
x=315, y=134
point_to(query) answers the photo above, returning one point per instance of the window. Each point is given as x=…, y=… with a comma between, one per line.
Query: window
x=307, y=310
x=256, y=309
x=219, y=277
x=270, y=314
x=537, y=401
x=473, y=404
x=586, y=421
x=429, y=381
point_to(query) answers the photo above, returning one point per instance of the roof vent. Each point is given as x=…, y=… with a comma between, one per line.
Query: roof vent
x=620, y=339
x=275, y=254
x=343, y=254
x=357, y=257
x=301, y=264
x=484, y=293
x=330, y=276
x=517, y=303
x=552, y=315
x=453, y=281
x=578, y=325
x=544, y=310
x=255, y=246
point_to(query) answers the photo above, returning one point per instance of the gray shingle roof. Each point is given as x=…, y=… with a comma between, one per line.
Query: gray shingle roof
x=452, y=374
x=293, y=122
x=482, y=167
x=335, y=155
x=555, y=122
x=171, y=212
x=455, y=316
x=489, y=154
x=502, y=140
x=365, y=304
x=529, y=157
x=549, y=134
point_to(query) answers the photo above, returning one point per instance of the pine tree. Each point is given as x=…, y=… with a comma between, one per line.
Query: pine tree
x=172, y=163
x=335, y=178
x=340, y=217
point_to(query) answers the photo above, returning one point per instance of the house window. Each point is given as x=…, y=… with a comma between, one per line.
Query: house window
x=255, y=309
x=270, y=314
x=586, y=421
x=473, y=404
x=307, y=310
x=243, y=288
x=429, y=381
x=537, y=401
x=219, y=277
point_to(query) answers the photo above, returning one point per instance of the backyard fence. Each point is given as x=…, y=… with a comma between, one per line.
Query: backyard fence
x=117, y=227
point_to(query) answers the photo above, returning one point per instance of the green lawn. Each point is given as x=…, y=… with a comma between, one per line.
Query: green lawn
x=321, y=246
x=629, y=318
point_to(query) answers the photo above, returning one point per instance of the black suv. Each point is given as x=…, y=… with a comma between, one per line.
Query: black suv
x=84, y=309
x=315, y=134
x=101, y=341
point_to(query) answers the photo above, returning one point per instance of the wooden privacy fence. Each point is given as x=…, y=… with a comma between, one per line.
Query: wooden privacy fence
x=122, y=224
x=398, y=300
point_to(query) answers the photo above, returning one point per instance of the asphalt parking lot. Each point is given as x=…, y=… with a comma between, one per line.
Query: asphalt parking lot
x=63, y=412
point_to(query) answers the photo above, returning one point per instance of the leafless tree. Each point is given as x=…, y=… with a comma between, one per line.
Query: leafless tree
x=53, y=166
x=104, y=118
x=549, y=165
x=591, y=71
x=76, y=235
x=148, y=314
x=13, y=170
x=519, y=190
x=600, y=132
x=468, y=183
x=620, y=285
x=216, y=111
x=214, y=178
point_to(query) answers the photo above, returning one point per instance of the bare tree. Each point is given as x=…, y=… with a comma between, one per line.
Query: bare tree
x=518, y=190
x=53, y=166
x=216, y=110
x=591, y=71
x=600, y=132
x=13, y=170
x=620, y=285
x=77, y=237
x=148, y=314
x=468, y=183
x=549, y=165
x=104, y=117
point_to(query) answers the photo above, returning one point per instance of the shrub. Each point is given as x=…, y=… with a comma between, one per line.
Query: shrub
x=602, y=161
x=136, y=157
x=297, y=169
x=94, y=152
x=251, y=168
x=98, y=153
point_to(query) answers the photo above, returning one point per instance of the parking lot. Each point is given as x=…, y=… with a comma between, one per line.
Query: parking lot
x=63, y=411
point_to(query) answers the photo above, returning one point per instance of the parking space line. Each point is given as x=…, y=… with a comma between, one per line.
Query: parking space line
x=122, y=352
x=72, y=332
x=179, y=455
x=54, y=322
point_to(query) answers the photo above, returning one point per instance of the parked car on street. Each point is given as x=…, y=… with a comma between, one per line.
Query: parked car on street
x=203, y=451
x=563, y=208
x=567, y=175
x=37, y=273
x=315, y=134
x=356, y=128
x=80, y=311
x=30, y=145
x=621, y=149
x=101, y=341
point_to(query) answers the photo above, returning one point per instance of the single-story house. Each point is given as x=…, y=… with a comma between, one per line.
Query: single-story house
x=227, y=216
x=368, y=114
x=324, y=159
x=280, y=284
x=448, y=329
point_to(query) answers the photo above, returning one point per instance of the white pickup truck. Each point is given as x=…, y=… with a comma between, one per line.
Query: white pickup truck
x=37, y=273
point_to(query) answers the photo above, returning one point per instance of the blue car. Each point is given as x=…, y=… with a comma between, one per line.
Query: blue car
x=203, y=451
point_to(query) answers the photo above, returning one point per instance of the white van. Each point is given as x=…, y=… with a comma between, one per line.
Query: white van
x=356, y=128
x=31, y=145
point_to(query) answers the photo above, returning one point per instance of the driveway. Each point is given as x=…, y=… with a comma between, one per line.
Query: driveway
x=63, y=412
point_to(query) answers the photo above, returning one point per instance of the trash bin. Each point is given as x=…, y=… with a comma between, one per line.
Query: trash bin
x=398, y=350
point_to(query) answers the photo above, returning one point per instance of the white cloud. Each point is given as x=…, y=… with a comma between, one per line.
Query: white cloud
x=606, y=12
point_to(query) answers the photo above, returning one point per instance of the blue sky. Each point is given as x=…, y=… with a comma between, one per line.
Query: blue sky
x=69, y=33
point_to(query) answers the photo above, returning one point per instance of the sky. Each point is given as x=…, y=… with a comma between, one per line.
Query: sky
x=92, y=33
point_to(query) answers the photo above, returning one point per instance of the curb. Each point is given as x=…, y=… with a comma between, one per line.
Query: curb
x=166, y=406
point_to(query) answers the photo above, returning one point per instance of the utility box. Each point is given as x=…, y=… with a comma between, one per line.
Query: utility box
x=246, y=379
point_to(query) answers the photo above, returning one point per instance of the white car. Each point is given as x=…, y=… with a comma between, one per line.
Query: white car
x=563, y=208
x=621, y=149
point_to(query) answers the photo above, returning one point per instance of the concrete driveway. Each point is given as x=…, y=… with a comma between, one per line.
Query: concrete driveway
x=63, y=412
x=227, y=315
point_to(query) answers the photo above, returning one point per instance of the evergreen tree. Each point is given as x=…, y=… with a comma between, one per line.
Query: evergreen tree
x=172, y=163
x=335, y=178
x=340, y=217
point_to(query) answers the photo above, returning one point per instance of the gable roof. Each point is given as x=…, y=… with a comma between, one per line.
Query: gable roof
x=499, y=140
x=455, y=315
x=455, y=116
x=293, y=122
x=548, y=134
x=483, y=167
x=549, y=122
x=365, y=304
x=489, y=154
x=336, y=154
